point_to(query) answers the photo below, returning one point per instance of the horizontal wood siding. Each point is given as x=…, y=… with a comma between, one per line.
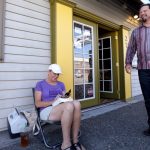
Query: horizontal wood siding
x=136, y=89
x=26, y=53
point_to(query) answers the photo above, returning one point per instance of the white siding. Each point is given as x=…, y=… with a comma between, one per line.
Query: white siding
x=135, y=85
x=26, y=53
x=136, y=89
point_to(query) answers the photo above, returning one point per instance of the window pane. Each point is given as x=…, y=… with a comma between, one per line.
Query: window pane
x=106, y=43
x=78, y=61
x=100, y=54
x=100, y=44
x=78, y=48
x=107, y=75
x=78, y=39
x=101, y=75
x=107, y=86
x=106, y=53
x=87, y=47
x=88, y=90
x=107, y=64
x=101, y=86
x=78, y=31
x=100, y=64
x=87, y=33
x=79, y=91
x=88, y=61
x=78, y=76
x=88, y=76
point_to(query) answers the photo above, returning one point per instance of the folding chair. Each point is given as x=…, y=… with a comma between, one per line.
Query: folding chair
x=42, y=124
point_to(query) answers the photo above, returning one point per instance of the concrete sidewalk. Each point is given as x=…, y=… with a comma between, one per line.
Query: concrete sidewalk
x=113, y=126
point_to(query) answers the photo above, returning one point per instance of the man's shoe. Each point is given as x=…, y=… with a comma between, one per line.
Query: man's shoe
x=147, y=132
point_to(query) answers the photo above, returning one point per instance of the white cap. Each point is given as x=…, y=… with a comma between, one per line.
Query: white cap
x=55, y=68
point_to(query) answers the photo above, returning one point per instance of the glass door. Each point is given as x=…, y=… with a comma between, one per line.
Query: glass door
x=83, y=61
x=85, y=57
x=109, y=66
x=105, y=62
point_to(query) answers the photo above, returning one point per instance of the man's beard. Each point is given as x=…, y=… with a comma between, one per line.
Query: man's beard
x=144, y=19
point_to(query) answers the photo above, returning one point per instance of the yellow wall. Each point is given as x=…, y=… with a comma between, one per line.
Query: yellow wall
x=126, y=75
x=64, y=42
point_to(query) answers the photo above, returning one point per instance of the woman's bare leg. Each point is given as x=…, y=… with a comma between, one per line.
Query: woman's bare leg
x=76, y=121
x=64, y=112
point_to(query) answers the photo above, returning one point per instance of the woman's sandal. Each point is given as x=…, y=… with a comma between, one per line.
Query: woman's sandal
x=78, y=146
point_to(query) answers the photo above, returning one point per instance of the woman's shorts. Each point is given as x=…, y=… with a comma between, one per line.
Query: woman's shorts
x=44, y=114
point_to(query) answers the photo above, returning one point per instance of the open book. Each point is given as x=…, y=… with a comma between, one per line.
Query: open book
x=61, y=100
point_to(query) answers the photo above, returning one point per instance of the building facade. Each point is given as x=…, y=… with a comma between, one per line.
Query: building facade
x=87, y=38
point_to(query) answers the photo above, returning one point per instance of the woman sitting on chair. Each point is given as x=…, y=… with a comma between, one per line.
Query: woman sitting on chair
x=69, y=113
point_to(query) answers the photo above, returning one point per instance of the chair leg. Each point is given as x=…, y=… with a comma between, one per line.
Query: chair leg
x=54, y=146
x=45, y=140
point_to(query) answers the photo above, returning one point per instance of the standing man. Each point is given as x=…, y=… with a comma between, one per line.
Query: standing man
x=140, y=43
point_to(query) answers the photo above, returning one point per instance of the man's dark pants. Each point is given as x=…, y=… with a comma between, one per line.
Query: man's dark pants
x=144, y=78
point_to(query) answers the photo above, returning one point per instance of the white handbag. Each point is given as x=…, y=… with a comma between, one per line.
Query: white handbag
x=17, y=122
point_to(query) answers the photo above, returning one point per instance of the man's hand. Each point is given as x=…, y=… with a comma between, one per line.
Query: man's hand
x=128, y=68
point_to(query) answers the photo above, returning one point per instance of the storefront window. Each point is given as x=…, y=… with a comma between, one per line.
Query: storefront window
x=83, y=61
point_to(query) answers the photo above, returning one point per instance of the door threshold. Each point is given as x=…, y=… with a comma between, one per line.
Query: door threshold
x=107, y=100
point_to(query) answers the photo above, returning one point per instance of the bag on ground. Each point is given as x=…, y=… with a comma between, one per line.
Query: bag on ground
x=16, y=123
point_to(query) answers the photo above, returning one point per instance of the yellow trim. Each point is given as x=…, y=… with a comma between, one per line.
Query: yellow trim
x=127, y=76
x=125, y=79
x=64, y=2
x=126, y=28
x=94, y=18
x=62, y=44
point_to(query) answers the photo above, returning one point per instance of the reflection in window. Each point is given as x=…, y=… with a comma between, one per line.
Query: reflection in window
x=88, y=75
x=78, y=60
x=88, y=61
x=83, y=61
x=79, y=91
x=89, y=90
x=79, y=76
x=87, y=47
